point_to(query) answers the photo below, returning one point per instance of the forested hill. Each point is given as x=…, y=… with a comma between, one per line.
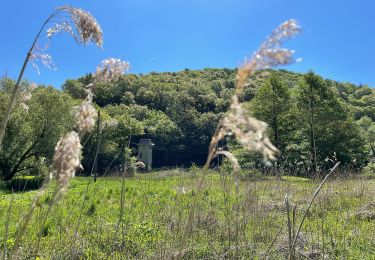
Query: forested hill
x=180, y=110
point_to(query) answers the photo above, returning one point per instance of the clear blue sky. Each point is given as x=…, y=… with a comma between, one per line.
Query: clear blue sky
x=338, y=38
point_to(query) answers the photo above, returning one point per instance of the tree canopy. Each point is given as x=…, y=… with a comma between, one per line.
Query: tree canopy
x=311, y=120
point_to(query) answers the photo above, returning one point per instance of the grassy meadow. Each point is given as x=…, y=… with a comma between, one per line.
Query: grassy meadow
x=146, y=217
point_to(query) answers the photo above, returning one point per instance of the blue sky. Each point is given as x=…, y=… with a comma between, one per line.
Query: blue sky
x=338, y=38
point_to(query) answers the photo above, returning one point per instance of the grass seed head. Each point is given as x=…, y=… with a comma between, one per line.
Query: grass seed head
x=85, y=115
x=67, y=158
x=270, y=53
x=249, y=132
x=111, y=69
x=86, y=25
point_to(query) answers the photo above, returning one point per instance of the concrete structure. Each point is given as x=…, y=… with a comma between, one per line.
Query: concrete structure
x=145, y=152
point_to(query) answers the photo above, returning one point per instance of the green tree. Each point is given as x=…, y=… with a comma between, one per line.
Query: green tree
x=325, y=123
x=272, y=104
x=32, y=133
x=368, y=132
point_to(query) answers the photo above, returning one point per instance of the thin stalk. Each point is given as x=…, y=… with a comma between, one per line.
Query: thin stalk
x=94, y=168
x=289, y=222
x=12, y=100
x=211, y=155
x=80, y=216
x=308, y=208
x=7, y=226
x=45, y=220
x=122, y=202
x=27, y=217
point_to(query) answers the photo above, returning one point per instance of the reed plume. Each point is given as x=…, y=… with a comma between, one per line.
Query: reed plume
x=67, y=158
x=111, y=69
x=248, y=131
x=80, y=24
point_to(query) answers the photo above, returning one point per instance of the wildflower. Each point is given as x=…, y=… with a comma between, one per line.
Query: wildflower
x=67, y=158
x=111, y=69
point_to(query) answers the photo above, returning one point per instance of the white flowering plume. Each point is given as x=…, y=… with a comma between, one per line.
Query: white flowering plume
x=87, y=28
x=80, y=24
x=67, y=158
x=85, y=114
x=248, y=131
x=270, y=52
x=25, y=95
x=111, y=69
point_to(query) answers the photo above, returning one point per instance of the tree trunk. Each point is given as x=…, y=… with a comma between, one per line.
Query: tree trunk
x=13, y=170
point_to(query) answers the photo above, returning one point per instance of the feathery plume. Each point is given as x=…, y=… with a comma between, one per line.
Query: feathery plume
x=81, y=25
x=270, y=52
x=111, y=69
x=67, y=158
x=250, y=132
x=26, y=95
x=87, y=27
x=85, y=114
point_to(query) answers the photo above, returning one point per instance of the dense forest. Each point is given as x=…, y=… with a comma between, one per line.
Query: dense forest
x=312, y=121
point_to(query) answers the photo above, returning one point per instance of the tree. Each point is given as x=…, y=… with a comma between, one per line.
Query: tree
x=32, y=133
x=272, y=104
x=325, y=123
x=368, y=132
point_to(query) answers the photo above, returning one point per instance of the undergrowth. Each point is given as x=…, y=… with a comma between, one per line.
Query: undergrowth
x=340, y=224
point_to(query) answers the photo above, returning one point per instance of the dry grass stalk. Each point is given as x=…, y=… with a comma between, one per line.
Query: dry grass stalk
x=250, y=132
x=67, y=159
x=292, y=249
x=87, y=31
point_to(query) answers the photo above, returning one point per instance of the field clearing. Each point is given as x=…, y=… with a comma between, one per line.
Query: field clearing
x=156, y=206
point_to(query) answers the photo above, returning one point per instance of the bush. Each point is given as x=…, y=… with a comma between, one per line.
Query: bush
x=370, y=168
x=24, y=183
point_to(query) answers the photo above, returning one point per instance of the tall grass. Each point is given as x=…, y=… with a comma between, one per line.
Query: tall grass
x=188, y=215
x=79, y=23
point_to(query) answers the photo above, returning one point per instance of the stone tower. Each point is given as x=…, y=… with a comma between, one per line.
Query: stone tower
x=145, y=152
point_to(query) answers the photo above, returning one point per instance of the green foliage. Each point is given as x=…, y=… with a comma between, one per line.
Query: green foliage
x=272, y=104
x=24, y=183
x=157, y=207
x=32, y=133
x=179, y=111
x=190, y=104
x=326, y=124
